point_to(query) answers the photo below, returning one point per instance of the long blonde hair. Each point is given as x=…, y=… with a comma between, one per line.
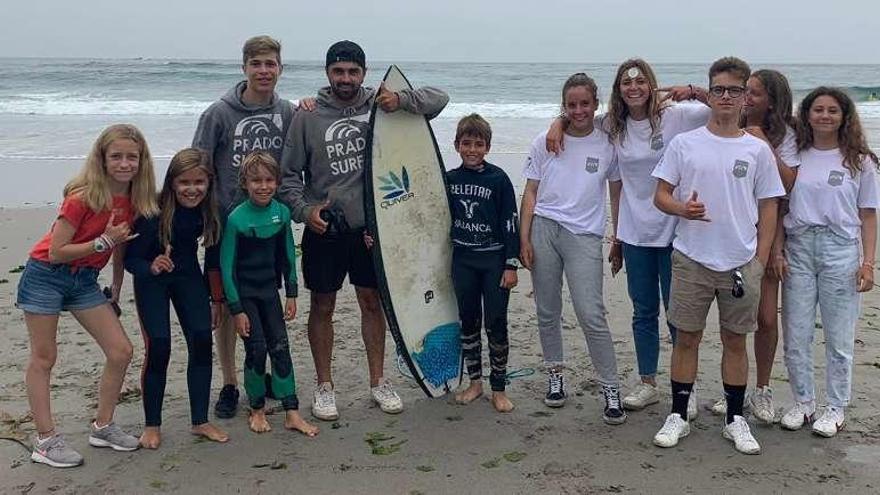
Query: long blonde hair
x=93, y=184
x=185, y=160
x=618, y=111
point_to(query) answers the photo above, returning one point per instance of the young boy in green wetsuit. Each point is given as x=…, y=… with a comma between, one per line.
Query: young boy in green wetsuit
x=257, y=252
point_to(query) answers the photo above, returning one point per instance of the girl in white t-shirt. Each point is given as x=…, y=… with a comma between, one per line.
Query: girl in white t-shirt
x=640, y=123
x=767, y=114
x=562, y=226
x=832, y=210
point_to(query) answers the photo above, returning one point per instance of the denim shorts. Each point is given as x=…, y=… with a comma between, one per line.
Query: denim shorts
x=47, y=289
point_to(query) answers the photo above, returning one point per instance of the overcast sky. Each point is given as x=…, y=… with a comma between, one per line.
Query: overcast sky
x=769, y=31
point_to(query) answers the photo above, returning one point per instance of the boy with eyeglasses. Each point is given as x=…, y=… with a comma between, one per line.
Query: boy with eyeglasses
x=723, y=183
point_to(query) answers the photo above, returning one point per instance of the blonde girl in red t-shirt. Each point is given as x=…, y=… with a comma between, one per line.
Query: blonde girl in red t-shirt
x=116, y=185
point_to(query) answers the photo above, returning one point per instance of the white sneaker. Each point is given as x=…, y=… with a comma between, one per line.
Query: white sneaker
x=719, y=408
x=692, y=406
x=324, y=403
x=830, y=422
x=643, y=395
x=388, y=400
x=800, y=413
x=739, y=433
x=674, y=429
x=760, y=402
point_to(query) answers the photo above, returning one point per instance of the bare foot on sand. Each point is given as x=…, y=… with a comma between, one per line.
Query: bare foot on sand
x=293, y=421
x=474, y=391
x=151, y=438
x=211, y=432
x=501, y=403
x=257, y=421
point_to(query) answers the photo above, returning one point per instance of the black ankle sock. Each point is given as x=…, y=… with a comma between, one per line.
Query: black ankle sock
x=734, y=394
x=681, y=393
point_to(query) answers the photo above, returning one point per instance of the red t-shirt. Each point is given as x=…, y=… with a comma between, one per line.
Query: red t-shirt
x=89, y=225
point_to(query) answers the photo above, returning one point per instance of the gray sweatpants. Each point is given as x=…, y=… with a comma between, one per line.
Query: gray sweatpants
x=579, y=257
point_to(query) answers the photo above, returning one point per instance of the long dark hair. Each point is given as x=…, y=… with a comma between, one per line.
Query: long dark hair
x=850, y=136
x=778, y=117
x=182, y=162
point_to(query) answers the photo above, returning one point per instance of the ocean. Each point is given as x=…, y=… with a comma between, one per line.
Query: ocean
x=51, y=110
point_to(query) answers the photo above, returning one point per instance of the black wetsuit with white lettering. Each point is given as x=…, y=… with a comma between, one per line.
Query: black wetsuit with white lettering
x=485, y=241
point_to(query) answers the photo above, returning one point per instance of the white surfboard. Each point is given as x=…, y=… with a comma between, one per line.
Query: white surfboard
x=408, y=215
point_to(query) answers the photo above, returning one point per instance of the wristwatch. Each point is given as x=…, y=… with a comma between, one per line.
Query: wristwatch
x=512, y=264
x=100, y=244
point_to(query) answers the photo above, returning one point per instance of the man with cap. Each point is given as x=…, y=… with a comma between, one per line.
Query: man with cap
x=322, y=164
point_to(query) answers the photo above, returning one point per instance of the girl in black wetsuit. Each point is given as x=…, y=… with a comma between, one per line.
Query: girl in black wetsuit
x=164, y=262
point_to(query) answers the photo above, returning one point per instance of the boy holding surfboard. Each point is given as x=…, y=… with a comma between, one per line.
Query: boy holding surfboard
x=485, y=242
x=323, y=184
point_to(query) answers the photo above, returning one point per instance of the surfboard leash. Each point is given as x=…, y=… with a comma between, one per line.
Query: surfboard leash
x=511, y=375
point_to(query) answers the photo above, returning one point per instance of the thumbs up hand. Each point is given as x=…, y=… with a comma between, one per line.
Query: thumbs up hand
x=695, y=210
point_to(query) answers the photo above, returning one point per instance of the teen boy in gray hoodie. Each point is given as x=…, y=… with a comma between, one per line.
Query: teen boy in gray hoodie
x=250, y=117
x=323, y=184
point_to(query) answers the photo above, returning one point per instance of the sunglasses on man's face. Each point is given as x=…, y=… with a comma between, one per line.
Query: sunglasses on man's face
x=733, y=91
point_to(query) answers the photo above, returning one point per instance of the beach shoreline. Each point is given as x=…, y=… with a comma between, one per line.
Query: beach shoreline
x=437, y=447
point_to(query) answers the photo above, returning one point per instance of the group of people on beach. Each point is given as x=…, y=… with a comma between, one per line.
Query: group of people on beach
x=721, y=200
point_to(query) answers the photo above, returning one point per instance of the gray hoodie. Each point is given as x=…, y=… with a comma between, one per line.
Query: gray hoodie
x=230, y=129
x=325, y=151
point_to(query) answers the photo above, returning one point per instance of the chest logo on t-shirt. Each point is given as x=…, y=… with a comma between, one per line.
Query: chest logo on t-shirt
x=835, y=177
x=592, y=165
x=657, y=142
x=469, y=207
x=740, y=168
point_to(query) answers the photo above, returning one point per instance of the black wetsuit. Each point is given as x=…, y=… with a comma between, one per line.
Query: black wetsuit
x=185, y=287
x=485, y=241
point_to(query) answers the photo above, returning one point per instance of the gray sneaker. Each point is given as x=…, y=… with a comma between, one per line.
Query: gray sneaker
x=112, y=436
x=55, y=452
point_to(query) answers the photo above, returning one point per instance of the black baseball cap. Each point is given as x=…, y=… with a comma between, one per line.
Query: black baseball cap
x=346, y=51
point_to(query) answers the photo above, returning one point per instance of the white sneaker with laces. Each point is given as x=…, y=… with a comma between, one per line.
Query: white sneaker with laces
x=719, y=408
x=739, y=433
x=830, y=422
x=674, y=429
x=324, y=403
x=643, y=395
x=760, y=402
x=800, y=413
x=387, y=399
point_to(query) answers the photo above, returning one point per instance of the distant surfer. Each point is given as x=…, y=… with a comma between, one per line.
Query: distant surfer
x=322, y=163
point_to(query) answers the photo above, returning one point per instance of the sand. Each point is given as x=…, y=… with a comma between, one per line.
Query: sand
x=434, y=446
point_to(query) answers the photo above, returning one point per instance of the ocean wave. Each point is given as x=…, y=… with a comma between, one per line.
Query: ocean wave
x=73, y=104
x=61, y=104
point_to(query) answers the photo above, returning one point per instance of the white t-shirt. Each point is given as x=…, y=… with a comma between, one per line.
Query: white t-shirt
x=825, y=193
x=730, y=175
x=639, y=222
x=572, y=189
x=787, y=149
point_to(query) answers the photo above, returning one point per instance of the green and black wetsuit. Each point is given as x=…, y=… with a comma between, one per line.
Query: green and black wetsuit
x=257, y=253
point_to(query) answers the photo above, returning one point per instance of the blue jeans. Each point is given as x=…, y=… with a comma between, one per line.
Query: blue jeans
x=822, y=270
x=648, y=274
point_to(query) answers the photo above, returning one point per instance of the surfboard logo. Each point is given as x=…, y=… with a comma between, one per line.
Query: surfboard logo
x=345, y=128
x=258, y=124
x=395, y=188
